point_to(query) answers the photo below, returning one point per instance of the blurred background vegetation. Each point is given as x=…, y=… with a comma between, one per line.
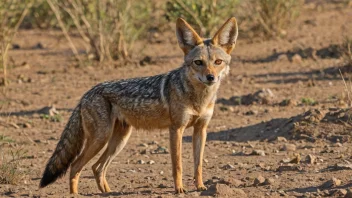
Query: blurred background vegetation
x=109, y=28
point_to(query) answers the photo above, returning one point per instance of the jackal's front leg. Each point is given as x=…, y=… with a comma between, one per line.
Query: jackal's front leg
x=198, y=140
x=176, y=157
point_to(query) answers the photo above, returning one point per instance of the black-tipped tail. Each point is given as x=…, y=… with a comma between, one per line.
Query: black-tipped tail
x=50, y=176
x=69, y=146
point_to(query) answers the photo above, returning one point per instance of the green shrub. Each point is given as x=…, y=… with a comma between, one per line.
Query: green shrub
x=108, y=27
x=12, y=13
x=7, y=139
x=271, y=17
x=40, y=16
x=206, y=15
x=309, y=101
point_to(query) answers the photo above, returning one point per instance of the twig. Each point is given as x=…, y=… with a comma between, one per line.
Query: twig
x=28, y=137
x=348, y=93
x=64, y=30
x=8, y=44
x=77, y=6
x=101, y=34
x=77, y=23
x=198, y=21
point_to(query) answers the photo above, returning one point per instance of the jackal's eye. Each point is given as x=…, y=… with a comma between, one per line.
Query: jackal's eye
x=218, y=62
x=198, y=62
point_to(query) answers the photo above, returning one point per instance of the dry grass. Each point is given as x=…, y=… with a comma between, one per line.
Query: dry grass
x=12, y=13
x=346, y=50
x=40, y=16
x=271, y=17
x=348, y=90
x=10, y=171
x=109, y=28
x=206, y=15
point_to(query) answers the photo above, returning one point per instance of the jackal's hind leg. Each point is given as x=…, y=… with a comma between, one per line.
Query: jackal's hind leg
x=97, y=127
x=117, y=142
x=89, y=151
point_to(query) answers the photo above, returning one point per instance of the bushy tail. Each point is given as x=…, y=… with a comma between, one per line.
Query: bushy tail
x=69, y=146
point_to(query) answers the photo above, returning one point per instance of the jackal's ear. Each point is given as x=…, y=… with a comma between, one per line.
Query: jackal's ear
x=226, y=36
x=187, y=36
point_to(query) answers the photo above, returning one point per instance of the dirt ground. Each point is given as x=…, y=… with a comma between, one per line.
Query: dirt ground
x=280, y=127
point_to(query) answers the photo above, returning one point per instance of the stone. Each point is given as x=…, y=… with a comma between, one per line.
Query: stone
x=251, y=112
x=27, y=125
x=222, y=190
x=281, y=139
x=144, y=145
x=311, y=159
x=140, y=162
x=340, y=193
x=282, y=57
x=259, y=180
x=50, y=110
x=297, y=58
x=288, y=102
x=289, y=147
x=232, y=182
x=160, y=150
x=331, y=183
x=258, y=152
x=162, y=186
x=288, y=167
x=151, y=162
x=144, y=151
x=296, y=159
x=269, y=181
x=228, y=166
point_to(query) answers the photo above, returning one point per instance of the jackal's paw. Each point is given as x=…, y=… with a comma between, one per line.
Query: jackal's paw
x=201, y=188
x=180, y=190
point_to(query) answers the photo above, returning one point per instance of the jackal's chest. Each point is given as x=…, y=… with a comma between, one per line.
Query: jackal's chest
x=203, y=106
x=205, y=111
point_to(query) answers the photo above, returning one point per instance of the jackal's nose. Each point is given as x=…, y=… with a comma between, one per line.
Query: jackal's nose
x=210, y=77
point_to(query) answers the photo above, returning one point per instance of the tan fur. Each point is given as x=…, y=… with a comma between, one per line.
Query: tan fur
x=177, y=100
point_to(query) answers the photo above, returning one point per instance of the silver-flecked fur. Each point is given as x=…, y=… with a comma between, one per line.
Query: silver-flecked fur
x=182, y=98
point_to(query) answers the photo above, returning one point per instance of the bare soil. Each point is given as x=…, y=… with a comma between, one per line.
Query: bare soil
x=261, y=140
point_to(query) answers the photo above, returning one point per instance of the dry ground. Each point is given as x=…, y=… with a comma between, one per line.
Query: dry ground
x=46, y=75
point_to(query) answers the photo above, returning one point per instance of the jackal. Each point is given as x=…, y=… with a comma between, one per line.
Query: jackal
x=179, y=99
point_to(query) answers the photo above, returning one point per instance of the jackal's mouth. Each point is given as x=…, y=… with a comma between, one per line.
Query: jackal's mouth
x=207, y=82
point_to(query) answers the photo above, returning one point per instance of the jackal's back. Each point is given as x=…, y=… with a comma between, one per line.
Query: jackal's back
x=142, y=102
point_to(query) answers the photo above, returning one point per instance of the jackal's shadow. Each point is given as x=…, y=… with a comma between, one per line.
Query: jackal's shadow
x=264, y=130
x=43, y=110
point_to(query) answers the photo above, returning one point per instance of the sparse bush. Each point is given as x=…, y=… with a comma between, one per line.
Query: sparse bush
x=12, y=13
x=108, y=27
x=309, y=101
x=346, y=50
x=273, y=16
x=53, y=118
x=40, y=16
x=10, y=172
x=4, y=138
x=348, y=91
x=206, y=15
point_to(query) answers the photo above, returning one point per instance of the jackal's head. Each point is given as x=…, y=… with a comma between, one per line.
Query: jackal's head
x=207, y=59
